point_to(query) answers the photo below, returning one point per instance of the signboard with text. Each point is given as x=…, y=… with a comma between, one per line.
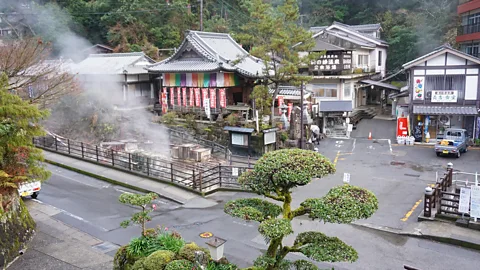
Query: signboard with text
x=447, y=96
x=419, y=88
x=475, y=202
x=402, y=126
x=464, y=203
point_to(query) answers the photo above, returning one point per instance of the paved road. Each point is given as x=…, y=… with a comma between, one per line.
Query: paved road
x=92, y=206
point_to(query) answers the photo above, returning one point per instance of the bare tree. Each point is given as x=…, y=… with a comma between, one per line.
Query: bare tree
x=32, y=75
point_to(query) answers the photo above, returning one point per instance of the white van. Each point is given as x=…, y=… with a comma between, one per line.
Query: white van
x=30, y=189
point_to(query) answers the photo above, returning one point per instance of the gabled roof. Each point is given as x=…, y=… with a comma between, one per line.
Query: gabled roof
x=355, y=33
x=217, y=51
x=114, y=63
x=439, y=51
x=99, y=46
x=367, y=27
x=356, y=40
x=321, y=45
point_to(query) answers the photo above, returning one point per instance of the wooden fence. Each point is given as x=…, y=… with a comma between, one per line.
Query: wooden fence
x=198, y=177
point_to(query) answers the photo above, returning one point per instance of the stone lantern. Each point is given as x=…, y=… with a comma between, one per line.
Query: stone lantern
x=216, y=245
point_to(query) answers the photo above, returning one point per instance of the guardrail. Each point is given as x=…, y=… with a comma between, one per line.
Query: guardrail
x=197, y=177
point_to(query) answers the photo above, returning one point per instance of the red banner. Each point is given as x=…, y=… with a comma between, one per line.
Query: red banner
x=204, y=95
x=184, y=94
x=280, y=103
x=213, y=97
x=160, y=97
x=179, y=97
x=223, y=97
x=402, y=126
x=289, y=110
x=198, y=102
x=164, y=101
x=192, y=98
x=172, y=96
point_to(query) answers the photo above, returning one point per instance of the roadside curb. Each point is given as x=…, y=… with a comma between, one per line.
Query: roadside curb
x=441, y=239
x=111, y=181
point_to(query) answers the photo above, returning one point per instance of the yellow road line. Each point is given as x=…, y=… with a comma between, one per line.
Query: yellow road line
x=409, y=213
x=336, y=158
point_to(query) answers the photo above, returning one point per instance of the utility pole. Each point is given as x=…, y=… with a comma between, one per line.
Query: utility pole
x=201, y=15
x=302, y=131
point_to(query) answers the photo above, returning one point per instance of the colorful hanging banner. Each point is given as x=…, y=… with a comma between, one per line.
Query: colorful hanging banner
x=179, y=97
x=198, y=102
x=172, y=96
x=160, y=98
x=192, y=97
x=219, y=79
x=280, y=103
x=223, y=97
x=184, y=94
x=164, y=101
x=213, y=97
x=204, y=95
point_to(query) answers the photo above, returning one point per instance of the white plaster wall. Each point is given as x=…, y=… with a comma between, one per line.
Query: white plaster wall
x=471, y=88
x=437, y=61
x=453, y=60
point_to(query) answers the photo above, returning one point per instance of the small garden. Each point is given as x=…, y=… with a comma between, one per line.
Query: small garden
x=161, y=249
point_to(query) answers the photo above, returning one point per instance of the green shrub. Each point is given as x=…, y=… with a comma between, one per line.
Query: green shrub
x=122, y=260
x=170, y=242
x=190, y=121
x=169, y=118
x=283, y=136
x=219, y=266
x=139, y=264
x=141, y=246
x=187, y=252
x=232, y=119
x=158, y=260
x=179, y=265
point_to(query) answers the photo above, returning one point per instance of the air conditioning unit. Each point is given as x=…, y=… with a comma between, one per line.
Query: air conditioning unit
x=445, y=120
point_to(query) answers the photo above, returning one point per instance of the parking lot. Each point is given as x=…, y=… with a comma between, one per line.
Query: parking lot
x=397, y=174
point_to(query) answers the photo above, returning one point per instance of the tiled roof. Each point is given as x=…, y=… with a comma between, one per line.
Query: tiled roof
x=445, y=110
x=187, y=66
x=366, y=27
x=239, y=129
x=358, y=29
x=288, y=91
x=113, y=63
x=443, y=48
x=216, y=49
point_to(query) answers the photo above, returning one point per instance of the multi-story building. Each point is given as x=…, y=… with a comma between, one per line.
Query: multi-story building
x=468, y=34
x=355, y=57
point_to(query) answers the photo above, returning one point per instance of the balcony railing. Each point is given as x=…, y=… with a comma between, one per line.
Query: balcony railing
x=468, y=29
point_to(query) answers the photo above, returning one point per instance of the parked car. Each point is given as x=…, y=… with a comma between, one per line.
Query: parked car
x=30, y=189
x=454, y=142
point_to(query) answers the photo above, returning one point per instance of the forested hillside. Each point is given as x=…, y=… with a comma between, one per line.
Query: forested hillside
x=412, y=27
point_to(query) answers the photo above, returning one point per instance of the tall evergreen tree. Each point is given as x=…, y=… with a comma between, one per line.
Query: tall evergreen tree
x=20, y=161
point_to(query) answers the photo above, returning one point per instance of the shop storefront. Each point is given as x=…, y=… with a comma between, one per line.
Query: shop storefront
x=334, y=119
x=430, y=122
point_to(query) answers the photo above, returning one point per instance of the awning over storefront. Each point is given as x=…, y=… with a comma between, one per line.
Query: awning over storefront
x=335, y=106
x=443, y=110
x=380, y=84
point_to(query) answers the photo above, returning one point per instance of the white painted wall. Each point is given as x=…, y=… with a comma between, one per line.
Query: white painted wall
x=471, y=88
x=453, y=60
x=437, y=61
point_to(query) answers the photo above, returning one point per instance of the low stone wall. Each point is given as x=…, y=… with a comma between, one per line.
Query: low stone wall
x=16, y=227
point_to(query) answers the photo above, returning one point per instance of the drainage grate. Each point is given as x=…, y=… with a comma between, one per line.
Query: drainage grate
x=412, y=175
x=105, y=247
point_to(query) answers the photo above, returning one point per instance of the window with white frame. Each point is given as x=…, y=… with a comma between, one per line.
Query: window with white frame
x=324, y=90
x=362, y=60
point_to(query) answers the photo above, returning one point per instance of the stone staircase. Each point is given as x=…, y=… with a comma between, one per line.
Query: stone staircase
x=363, y=112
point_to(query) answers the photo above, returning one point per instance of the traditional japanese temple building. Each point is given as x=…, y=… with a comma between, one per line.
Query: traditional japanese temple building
x=208, y=69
